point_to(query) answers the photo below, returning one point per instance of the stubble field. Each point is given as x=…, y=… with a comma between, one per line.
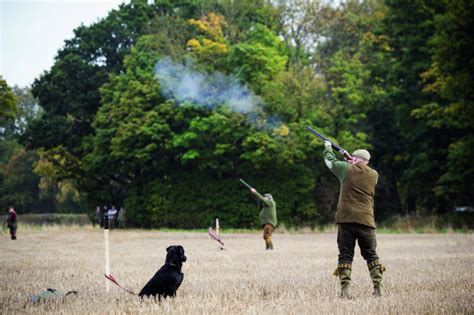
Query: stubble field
x=426, y=273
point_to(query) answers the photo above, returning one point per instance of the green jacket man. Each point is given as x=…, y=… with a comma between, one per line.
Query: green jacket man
x=355, y=216
x=268, y=216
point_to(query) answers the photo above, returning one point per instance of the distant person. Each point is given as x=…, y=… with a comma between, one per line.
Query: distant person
x=104, y=217
x=11, y=222
x=355, y=216
x=268, y=217
x=112, y=215
x=98, y=216
x=121, y=218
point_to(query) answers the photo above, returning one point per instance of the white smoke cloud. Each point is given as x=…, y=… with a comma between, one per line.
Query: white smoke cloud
x=186, y=84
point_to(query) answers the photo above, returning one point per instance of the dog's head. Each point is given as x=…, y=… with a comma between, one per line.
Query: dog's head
x=175, y=255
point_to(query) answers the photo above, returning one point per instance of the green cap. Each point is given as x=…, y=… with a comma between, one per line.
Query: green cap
x=362, y=154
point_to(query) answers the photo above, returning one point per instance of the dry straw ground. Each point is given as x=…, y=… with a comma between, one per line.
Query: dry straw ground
x=427, y=274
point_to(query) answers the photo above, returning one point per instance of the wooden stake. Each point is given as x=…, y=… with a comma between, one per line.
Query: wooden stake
x=107, y=254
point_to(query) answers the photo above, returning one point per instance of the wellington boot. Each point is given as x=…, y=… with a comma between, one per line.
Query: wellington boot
x=376, y=276
x=345, y=278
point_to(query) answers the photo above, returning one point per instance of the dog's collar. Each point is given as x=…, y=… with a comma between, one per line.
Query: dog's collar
x=171, y=264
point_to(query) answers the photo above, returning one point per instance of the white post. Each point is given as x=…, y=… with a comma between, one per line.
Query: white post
x=107, y=259
x=217, y=226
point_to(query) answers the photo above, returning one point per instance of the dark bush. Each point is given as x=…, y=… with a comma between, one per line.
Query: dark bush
x=54, y=218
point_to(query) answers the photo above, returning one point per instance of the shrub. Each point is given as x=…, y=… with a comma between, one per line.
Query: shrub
x=54, y=218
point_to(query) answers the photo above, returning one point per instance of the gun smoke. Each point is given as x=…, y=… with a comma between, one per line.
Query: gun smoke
x=185, y=84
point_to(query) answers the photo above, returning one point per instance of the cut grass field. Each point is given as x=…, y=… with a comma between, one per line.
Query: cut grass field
x=426, y=273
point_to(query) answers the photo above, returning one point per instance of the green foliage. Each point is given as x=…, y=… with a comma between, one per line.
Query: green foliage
x=69, y=92
x=409, y=29
x=259, y=58
x=28, y=110
x=179, y=202
x=451, y=80
x=53, y=219
x=295, y=94
x=8, y=148
x=430, y=44
x=159, y=159
x=8, y=103
x=19, y=185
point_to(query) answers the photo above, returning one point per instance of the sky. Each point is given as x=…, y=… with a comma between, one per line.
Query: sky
x=32, y=32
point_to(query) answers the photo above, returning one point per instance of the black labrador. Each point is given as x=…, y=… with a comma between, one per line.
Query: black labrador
x=168, y=279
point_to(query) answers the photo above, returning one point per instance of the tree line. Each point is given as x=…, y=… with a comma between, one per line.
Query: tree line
x=391, y=77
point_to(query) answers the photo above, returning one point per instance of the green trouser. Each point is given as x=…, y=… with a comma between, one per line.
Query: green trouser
x=347, y=234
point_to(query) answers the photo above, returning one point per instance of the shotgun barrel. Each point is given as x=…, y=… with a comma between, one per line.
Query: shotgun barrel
x=243, y=182
x=335, y=146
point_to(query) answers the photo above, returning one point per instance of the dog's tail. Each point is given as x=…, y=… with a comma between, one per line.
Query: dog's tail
x=112, y=279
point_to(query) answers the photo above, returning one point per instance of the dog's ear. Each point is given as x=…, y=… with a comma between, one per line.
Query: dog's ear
x=168, y=249
x=181, y=251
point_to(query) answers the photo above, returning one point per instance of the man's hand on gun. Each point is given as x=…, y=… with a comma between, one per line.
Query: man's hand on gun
x=345, y=155
x=253, y=190
x=343, y=152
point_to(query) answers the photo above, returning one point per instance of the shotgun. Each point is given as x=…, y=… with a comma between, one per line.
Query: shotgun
x=335, y=146
x=247, y=185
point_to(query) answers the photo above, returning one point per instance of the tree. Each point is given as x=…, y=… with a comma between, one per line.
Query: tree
x=69, y=92
x=8, y=104
x=302, y=24
x=259, y=58
x=174, y=163
x=423, y=149
x=27, y=111
x=450, y=77
x=19, y=187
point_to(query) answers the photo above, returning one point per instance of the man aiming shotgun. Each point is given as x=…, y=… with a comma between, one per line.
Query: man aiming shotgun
x=354, y=214
x=268, y=217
